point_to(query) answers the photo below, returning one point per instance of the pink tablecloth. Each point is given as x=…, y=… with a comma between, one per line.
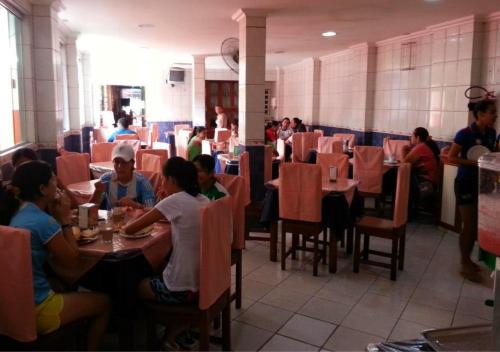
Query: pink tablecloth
x=154, y=247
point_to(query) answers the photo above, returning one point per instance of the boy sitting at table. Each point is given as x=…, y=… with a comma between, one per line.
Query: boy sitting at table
x=210, y=187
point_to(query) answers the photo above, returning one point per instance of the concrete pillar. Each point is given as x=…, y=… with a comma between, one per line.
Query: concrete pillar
x=252, y=73
x=73, y=83
x=279, y=92
x=198, y=103
x=311, y=83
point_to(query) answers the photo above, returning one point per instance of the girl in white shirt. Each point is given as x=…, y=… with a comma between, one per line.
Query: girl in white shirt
x=179, y=282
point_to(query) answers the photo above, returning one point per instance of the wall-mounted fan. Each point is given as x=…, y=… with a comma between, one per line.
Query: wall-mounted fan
x=230, y=52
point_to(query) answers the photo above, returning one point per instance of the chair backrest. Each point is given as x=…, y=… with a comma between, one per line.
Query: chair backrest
x=330, y=145
x=99, y=135
x=302, y=143
x=155, y=132
x=402, y=195
x=162, y=153
x=163, y=146
x=215, y=251
x=73, y=168
x=235, y=185
x=206, y=147
x=126, y=137
x=101, y=151
x=155, y=178
x=395, y=147
x=340, y=160
x=320, y=132
x=368, y=168
x=349, y=136
x=268, y=163
x=151, y=162
x=142, y=133
x=280, y=148
x=181, y=143
x=300, y=192
x=178, y=128
x=222, y=135
x=17, y=300
x=135, y=143
x=244, y=171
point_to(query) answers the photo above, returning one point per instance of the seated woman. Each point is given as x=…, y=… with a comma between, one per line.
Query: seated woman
x=297, y=125
x=23, y=155
x=123, y=128
x=210, y=188
x=179, y=282
x=53, y=236
x=194, y=145
x=124, y=187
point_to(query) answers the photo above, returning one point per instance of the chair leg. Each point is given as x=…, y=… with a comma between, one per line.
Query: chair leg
x=316, y=255
x=402, y=244
x=204, y=332
x=394, y=258
x=350, y=239
x=239, y=279
x=332, y=257
x=216, y=324
x=295, y=244
x=273, y=247
x=325, y=241
x=283, y=248
x=357, y=244
x=342, y=241
x=226, y=327
x=366, y=246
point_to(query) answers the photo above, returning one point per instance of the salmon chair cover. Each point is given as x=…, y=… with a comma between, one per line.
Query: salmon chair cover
x=178, y=128
x=280, y=148
x=155, y=178
x=320, y=132
x=222, y=135
x=181, y=143
x=17, y=300
x=330, y=145
x=300, y=192
x=268, y=163
x=143, y=133
x=302, y=143
x=101, y=151
x=151, y=162
x=135, y=143
x=155, y=133
x=349, y=136
x=368, y=168
x=126, y=137
x=73, y=168
x=402, y=195
x=235, y=185
x=162, y=153
x=206, y=147
x=244, y=171
x=395, y=147
x=215, y=251
x=341, y=161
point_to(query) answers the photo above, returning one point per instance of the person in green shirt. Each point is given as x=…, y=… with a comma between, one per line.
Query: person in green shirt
x=194, y=145
x=210, y=188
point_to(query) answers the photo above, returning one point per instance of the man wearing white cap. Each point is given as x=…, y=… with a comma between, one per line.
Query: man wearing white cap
x=124, y=186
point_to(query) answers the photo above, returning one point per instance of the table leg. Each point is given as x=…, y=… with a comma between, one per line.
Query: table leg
x=273, y=248
x=332, y=252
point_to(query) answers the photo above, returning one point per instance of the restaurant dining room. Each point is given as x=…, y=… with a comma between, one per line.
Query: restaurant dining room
x=249, y=175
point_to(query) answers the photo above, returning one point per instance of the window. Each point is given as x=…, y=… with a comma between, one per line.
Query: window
x=12, y=131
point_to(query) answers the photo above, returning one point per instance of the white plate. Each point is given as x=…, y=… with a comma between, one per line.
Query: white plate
x=139, y=234
x=391, y=162
x=477, y=151
x=86, y=240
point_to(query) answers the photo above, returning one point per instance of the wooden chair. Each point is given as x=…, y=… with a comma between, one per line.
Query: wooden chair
x=126, y=137
x=320, y=132
x=235, y=185
x=151, y=162
x=181, y=143
x=268, y=163
x=341, y=161
x=300, y=197
x=101, y=151
x=100, y=135
x=73, y=168
x=215, y=281
x=394, y=230
x=368, y=169
x=302, y=143
x=180, y=127
x=17, y=301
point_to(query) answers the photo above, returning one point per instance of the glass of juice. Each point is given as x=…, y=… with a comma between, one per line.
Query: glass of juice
x=106, y=230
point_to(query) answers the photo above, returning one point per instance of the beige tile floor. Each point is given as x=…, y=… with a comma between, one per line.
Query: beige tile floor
x=293, y=311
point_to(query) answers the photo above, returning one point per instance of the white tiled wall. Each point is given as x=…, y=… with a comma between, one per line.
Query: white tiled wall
x=294, y=90
x=490, y=72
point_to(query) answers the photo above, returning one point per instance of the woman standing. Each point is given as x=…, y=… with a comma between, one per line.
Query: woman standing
x=480, y=132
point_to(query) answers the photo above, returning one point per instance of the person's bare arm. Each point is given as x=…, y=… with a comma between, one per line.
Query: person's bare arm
x=145, y=220
x=454, y=158
x=411, y=158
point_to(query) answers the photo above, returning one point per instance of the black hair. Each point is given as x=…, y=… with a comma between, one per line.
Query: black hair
x=235, y=122
x=197, y=130
x=124, y=122
x=26, y=181
x=275, y=123
x=482, y=106
x=423, y=135
x=286, y=118
x=184, y=173
x=297, y=120
x=23, y=153
x=206, y=162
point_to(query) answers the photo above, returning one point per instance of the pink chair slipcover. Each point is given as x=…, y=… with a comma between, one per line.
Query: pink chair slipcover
x=302, y=143
x=181, y=143
x=100, y=135
x=178, y=128
x=155, y=178
x=280, y=148
x=101, y=151
x=395, y=147
x=163, y=146
x=244, y=171
x=368, y=168
x=206, y=147
x=162, y=153
x=151, y=162
x=235, y=185
x=126, y=137
x=135, y=143
x=143, y=133
x=351, y=137
x=155, y=132
x=17, y=300
x=215, y=251
x=268, y=163
x=300, y=192
x=341, y=161
x=222, y=135
x=73, y=168
x=330, y=145
x=402, y=195
x=320, y=132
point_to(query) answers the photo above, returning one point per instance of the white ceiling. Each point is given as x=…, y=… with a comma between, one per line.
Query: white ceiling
x=184, y=27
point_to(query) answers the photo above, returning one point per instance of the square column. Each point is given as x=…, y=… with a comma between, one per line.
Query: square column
x=252, y=75
x=73, y=84
x=198, y=103
x=311, y=83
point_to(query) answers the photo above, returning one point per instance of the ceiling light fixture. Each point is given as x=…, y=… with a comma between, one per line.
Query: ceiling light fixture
x=329, y=34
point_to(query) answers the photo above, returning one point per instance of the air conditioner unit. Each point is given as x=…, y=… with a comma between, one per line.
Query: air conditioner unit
x=175, y=75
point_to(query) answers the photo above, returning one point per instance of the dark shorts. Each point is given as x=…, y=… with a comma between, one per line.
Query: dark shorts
x=164, y=295
x=466, y=192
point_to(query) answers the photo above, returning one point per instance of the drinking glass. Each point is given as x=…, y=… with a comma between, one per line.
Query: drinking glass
x=106, y=230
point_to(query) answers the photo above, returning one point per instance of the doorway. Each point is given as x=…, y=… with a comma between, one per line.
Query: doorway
x=123, y=101
x=224, y=94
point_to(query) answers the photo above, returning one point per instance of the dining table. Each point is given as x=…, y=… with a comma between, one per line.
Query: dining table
x=229, y=163
x=341, y=187
x=101, y=167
